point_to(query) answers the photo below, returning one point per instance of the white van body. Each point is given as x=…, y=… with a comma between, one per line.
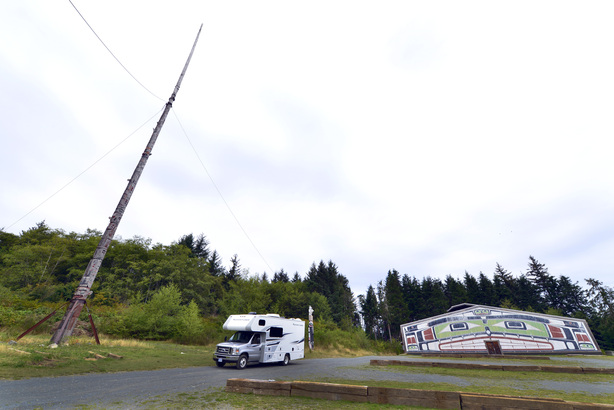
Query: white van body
x=261, y=339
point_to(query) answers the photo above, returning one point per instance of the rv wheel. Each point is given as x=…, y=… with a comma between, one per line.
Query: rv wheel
x=286, y=360
x=242, y=362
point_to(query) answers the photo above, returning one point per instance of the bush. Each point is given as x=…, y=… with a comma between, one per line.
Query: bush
x=162, y=318
x=189, y=327
x=17, y=313
x=328, y=335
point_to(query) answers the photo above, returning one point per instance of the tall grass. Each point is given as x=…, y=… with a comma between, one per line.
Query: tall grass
x=327, y=335
x=133, y=323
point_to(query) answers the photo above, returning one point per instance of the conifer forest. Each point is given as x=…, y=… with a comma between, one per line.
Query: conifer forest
x=182, y=291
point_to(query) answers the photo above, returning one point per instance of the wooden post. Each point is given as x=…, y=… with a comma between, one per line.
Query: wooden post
x=83, y=289
x=310, y=329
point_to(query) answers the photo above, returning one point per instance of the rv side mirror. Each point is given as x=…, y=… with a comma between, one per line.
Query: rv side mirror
x=225, y=338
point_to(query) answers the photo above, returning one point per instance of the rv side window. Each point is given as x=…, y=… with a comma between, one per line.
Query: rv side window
x=276, y=332
x=261, y=322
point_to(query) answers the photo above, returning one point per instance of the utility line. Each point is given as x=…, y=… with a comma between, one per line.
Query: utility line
x=220, y=194
x=109, y=50
x=86, y=169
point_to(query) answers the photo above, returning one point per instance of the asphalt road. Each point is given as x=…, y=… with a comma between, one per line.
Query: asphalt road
x=129, y=388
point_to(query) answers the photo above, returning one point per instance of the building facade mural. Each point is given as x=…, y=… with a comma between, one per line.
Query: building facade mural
x=484, y=329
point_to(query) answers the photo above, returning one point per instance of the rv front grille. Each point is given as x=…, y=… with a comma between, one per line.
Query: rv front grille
x=221, y=349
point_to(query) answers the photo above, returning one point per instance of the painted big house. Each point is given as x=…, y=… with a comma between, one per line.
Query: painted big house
x=470, y=328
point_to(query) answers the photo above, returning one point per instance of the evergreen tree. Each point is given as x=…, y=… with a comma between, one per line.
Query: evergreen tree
x=326, y=280
x=397, y=309
x=435, y=301
x=504, y=285
x=369, y=311
x=281, y=276
x=601, y=297
x=601, y=317
x=199, y=247
x=215, y=265
x=487, y=291
x=527, y=295
x=571, y=298
x=455, y=291
x=384, y=311
x=343, y=300
x=545, y=283
x=412, y=296
x=234, y=272
x=320, y=279
x=472, y=288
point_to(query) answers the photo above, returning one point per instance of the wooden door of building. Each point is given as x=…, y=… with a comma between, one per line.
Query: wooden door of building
x=493, y=347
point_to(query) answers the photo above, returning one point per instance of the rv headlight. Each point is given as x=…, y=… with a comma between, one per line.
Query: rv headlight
x=234, y=350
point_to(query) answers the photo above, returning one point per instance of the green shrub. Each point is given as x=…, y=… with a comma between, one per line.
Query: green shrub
x=161, y=318
x=189, y=325
x=328, y=335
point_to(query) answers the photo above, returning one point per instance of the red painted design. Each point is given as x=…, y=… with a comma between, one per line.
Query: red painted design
x=583, y=337
x=428, y=334
x=556, y=332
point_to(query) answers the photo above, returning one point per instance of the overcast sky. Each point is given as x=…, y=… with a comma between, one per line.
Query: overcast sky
x=429, y=137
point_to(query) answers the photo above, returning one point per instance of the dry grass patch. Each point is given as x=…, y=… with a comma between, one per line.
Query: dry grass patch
x=32, y=356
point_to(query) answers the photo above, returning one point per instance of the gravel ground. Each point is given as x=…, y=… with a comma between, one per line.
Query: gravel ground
x=125, y=389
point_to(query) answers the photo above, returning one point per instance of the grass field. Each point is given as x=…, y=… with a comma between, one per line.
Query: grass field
x=32, y=357
x=217, y=399
x=482, y=381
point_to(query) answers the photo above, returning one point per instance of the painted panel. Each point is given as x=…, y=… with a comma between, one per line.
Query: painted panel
x=467, y=330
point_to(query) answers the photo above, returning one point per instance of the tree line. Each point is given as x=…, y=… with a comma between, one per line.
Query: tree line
x=402, y=299
x=188, y=277
x=46, y=265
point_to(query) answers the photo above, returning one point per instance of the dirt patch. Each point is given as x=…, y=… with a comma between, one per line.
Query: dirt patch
x=47, y=362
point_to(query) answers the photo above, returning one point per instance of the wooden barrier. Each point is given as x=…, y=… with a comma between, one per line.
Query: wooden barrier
x=261, y=387
x=597, y=370
x=561, y=369
x=412, y=397
x=482, y=401
x=329, y=391
x=521, y=368
x=404, y=397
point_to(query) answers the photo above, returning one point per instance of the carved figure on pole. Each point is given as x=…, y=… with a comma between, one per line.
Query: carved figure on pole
x=310, y=329
x=83, y=289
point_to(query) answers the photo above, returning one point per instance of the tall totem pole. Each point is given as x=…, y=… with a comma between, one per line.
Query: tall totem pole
x=83, y=289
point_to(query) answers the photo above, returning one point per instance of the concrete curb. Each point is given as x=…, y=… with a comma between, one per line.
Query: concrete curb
x=502, y=367
x=404, y=397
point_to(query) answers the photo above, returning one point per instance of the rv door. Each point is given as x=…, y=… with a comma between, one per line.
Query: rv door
x=255, y=350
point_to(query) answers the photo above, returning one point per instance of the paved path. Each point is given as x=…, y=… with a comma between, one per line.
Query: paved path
x=128, y=388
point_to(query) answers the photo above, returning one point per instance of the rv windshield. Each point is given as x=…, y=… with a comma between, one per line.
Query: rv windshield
x=241, y=337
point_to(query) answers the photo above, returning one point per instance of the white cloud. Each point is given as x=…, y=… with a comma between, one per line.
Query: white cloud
x=432, y=138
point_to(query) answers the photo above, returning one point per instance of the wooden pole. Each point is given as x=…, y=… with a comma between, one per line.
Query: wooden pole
x=310, y=330
x=83, y=289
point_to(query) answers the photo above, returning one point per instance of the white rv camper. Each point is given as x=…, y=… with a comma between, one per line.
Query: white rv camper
x=261, y=339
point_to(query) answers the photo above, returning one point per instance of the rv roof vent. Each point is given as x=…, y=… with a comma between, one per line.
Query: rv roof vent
x=273, y=314
x=252, y=313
